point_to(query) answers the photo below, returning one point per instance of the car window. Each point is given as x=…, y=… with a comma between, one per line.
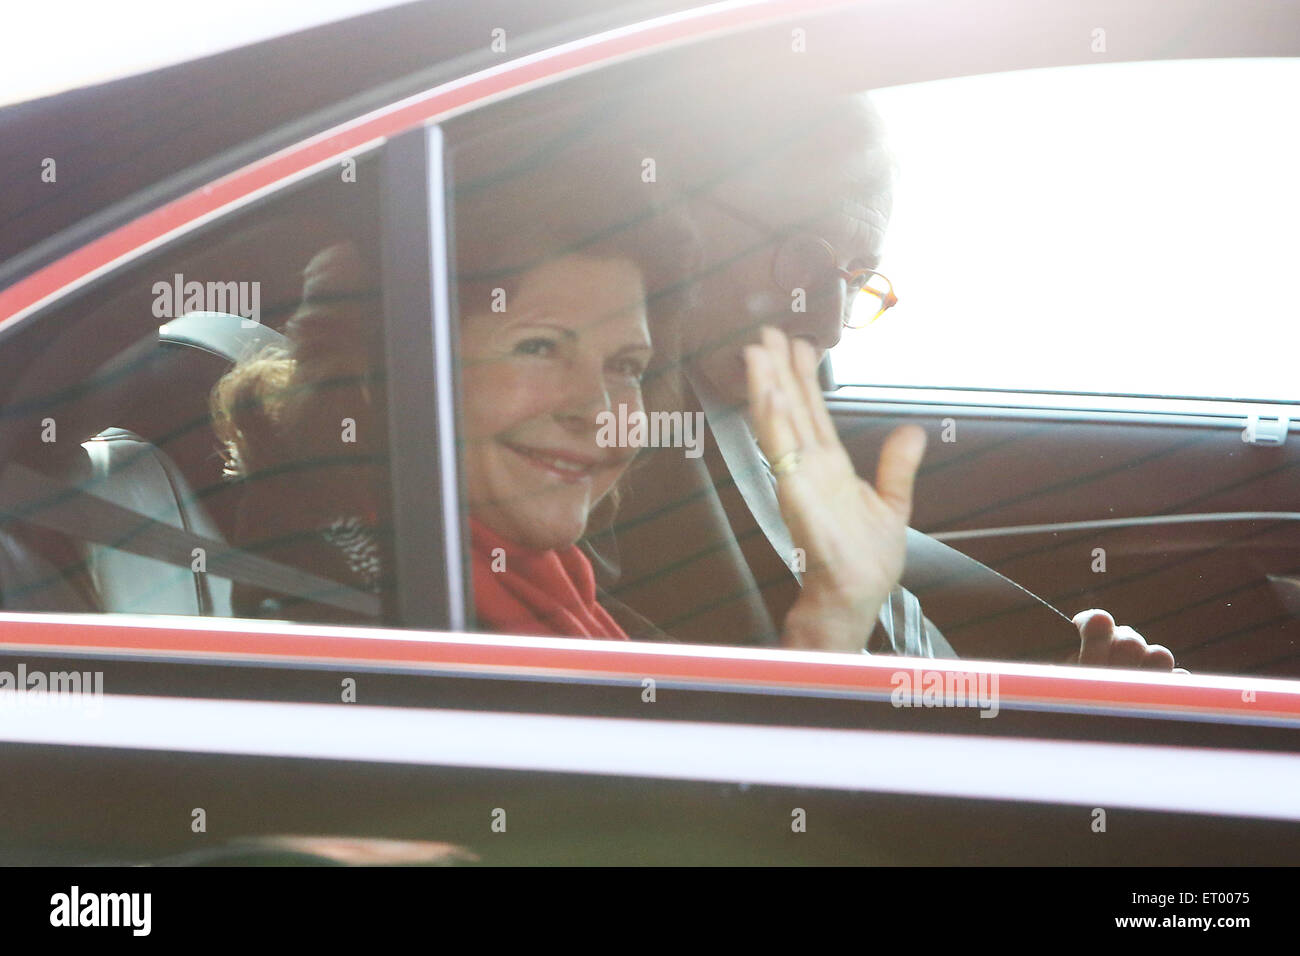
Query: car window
x=203, y=433
x=676, y=528
x=1115, y=228
x=609, y=485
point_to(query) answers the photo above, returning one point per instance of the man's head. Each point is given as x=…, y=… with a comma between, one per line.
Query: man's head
x=784, y=180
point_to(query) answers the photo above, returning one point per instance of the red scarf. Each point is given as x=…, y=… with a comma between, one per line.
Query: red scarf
x=519, y=590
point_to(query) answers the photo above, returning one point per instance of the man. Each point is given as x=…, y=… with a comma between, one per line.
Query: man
x=700, y=546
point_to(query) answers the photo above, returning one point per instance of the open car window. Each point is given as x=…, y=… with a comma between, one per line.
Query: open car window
x=1110, y=228
x=584, y=265
x=1090, y=278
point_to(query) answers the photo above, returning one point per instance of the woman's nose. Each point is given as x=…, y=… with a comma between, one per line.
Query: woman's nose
x=587, y=396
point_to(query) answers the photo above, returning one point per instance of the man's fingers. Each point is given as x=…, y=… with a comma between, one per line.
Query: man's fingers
x=1096, y=630
x=784, y=378
x=1158, y=658
x=1128, y=649
x=770, y=408
x=900, y=457
x=805, y=363
x=1105, y=645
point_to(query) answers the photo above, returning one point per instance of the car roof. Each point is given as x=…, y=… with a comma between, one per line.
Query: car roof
x=115, y=139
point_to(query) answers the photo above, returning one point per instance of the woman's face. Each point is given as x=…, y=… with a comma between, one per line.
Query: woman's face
x=571, y=343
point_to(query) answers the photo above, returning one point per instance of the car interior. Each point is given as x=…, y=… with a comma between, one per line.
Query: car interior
x=1019, y=498
x=124, y=401
x=1171, y=520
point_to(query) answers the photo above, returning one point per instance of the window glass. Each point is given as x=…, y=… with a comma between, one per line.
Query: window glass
x=204, y=434
x=1122, y=228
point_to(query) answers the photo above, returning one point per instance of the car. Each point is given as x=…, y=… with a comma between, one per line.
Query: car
x=384, y=715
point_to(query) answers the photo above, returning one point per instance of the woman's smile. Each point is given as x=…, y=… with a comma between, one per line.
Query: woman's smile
x=564, y=465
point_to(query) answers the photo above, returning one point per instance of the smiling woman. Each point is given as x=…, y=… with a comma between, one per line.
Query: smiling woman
x=567, y=279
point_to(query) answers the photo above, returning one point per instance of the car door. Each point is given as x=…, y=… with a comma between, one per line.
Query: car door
x=216, y=737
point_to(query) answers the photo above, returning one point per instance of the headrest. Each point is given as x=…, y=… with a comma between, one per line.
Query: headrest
x=231, y=337
x=182, y=361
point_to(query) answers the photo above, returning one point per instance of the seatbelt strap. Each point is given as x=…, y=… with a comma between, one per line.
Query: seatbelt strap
x=59, y=505
x=932, y=565
x=748, y=469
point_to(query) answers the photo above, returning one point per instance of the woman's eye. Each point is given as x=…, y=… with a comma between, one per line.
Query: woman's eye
x=544, y=348
x=632, y=368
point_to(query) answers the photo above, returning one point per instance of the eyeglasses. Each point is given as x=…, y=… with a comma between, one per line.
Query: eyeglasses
x=806, y=262
x=810, y=263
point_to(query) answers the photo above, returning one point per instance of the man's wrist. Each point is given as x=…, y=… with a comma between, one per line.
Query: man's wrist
x=834, y=626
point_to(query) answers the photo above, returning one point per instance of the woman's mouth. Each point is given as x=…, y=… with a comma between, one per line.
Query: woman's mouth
x=563, y=465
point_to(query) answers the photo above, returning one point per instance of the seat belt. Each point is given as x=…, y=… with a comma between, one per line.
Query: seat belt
x=933, y=566
x=750, y=472
x=62, y=506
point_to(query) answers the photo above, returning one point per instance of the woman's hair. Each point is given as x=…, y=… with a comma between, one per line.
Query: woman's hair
x=298, y=426
x=287, y=408
x=574, y=192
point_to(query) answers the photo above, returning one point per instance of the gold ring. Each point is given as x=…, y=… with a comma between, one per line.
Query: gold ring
x=787, y=463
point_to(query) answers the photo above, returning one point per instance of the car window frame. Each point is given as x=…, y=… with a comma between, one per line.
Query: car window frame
x=425, y=472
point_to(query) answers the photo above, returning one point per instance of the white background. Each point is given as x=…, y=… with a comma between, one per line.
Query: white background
x=55, y=45
x=1119, y=228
